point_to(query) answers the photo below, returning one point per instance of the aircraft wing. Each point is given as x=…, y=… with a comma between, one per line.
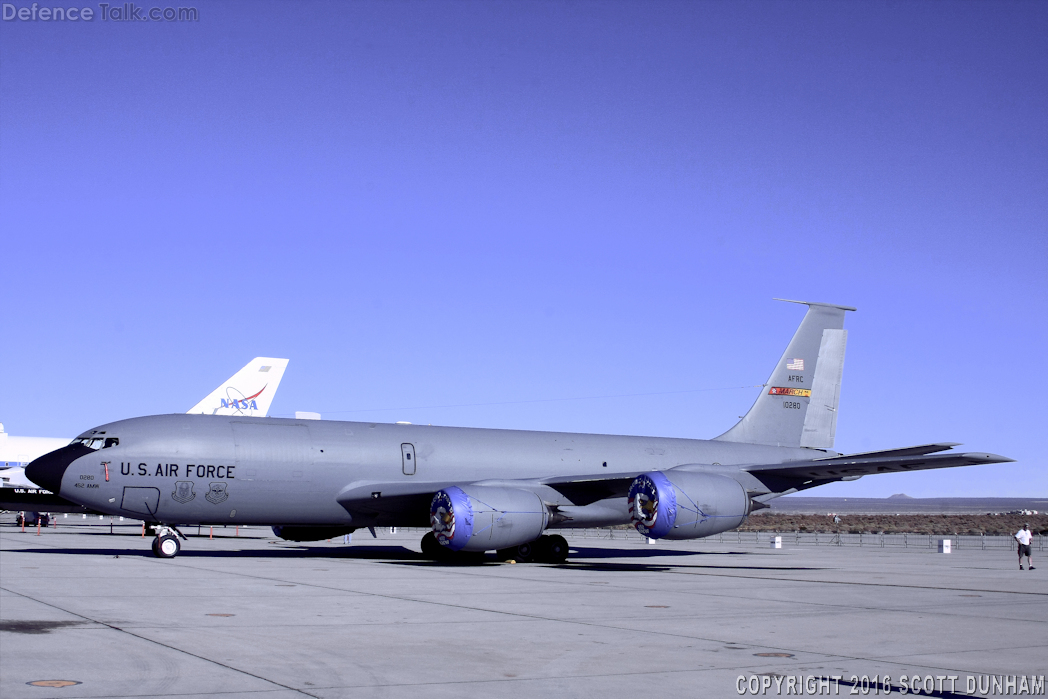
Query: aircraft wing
x=585, y=490
x=901, y=451
x=377, y=500
x=809, y=473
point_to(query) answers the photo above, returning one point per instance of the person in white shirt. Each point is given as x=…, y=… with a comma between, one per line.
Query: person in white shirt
x=1024, y=537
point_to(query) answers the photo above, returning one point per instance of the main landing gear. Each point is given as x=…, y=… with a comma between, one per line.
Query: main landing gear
x=166, y=543
x=545, y=549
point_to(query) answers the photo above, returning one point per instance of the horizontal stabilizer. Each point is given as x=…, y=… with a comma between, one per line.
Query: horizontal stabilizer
x=816, y=303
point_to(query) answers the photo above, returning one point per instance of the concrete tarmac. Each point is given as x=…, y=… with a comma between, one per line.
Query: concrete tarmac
x=253, y=616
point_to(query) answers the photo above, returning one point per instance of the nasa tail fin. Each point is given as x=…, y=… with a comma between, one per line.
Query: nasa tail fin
x=798, y=405
x=248, y=392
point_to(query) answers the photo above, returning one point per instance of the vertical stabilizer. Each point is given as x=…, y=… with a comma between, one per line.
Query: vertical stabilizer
x=248, y=392
x=798, y=405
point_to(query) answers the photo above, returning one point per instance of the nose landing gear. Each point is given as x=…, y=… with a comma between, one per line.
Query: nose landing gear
x=166, y=543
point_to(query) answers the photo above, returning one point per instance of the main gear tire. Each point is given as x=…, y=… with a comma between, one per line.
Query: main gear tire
x=528, y=552
x=556, y=549
x=166, y=546
x=431, y=548
x=525, y=553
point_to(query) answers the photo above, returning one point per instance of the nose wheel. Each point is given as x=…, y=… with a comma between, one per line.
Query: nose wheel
x=166, y=543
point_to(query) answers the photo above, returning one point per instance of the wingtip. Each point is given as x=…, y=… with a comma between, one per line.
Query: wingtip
x=985, y=458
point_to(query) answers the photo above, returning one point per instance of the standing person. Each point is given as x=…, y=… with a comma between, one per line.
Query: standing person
x=1024, y=537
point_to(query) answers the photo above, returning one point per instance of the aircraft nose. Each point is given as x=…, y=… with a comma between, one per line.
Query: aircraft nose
x=47, y=471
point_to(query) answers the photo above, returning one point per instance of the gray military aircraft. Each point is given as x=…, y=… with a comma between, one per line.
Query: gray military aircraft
x=480, y=489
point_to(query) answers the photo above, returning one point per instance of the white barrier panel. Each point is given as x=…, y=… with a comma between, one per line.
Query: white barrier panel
x=776, y=542
x=944, y=545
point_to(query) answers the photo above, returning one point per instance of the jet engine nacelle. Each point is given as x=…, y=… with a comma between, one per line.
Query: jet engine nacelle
x=482, y=518
x=294, y=533
x=685, y=504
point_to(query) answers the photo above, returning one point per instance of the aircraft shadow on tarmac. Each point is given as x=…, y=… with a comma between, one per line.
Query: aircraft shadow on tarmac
x=581, y=557
x=644, y=567
x=360, y=552
x=588, y=552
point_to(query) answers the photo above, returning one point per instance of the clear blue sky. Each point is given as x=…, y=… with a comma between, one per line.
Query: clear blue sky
x=462, y=203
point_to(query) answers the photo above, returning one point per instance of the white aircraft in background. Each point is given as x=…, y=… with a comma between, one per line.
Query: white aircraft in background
x=249, y=393
x=16, y=452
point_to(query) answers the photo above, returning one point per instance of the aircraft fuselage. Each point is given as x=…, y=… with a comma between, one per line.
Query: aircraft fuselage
x=200, y=469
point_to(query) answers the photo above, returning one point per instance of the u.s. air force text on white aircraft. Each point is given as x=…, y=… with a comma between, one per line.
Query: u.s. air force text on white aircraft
x=174, y=470
x=877, y=685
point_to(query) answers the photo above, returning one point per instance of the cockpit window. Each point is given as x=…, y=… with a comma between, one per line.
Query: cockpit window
x=97, y=442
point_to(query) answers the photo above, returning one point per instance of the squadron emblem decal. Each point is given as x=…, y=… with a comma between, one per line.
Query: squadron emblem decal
x=451, y=517
x=183, y=492
x=442, y=517
x=653, y=504
x=217, y=493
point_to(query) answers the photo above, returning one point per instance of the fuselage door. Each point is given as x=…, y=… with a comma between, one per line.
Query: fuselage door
x=143, y=501
x=407, y=456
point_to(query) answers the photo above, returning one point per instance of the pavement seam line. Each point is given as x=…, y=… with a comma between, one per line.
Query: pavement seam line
x=535, y=617
x=549, y=619
x=159, y=643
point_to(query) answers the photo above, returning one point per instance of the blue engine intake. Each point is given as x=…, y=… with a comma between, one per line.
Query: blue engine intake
x=484, y=518
x=686, y=505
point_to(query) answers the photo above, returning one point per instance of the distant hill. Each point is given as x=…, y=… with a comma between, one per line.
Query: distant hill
x=865, y=523
x=900, y=496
